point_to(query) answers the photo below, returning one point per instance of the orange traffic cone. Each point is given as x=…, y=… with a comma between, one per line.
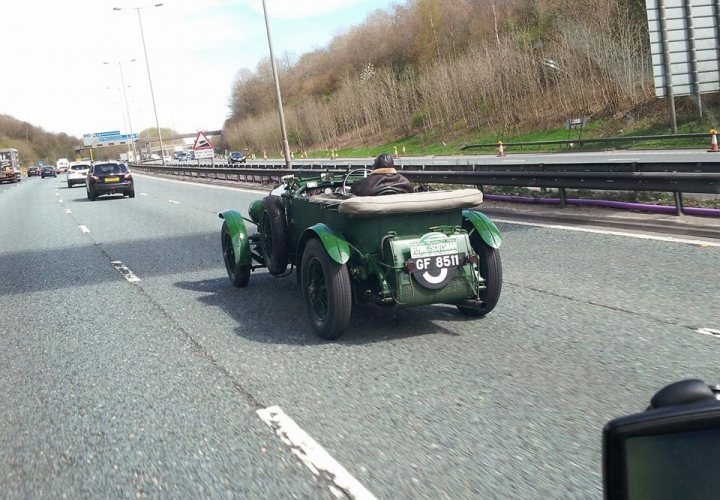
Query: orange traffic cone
x=713, y=143
x=501, y=149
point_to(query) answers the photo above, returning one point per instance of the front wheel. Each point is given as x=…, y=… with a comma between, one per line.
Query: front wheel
x=491, y=270
x=326, y=291
x=274, y=235
x=239, y=275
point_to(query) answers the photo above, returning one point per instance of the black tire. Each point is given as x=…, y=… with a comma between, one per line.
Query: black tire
x=491, y=270
x=239, y=275
x=92, y=196
x=69, y=185
x=326, y=290
x=273, y=235
x=131, y=193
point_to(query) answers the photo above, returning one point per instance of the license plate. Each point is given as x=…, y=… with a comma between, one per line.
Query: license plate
x=435, y=263
x=434, y=248
x=112, y=179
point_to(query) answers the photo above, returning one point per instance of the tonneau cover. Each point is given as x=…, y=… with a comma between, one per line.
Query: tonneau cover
x=428, y=201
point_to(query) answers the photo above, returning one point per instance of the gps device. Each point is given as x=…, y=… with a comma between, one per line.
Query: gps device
x=672, y=450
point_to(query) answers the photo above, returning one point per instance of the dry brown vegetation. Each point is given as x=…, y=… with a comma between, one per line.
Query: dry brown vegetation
x=33, y=143
x=438, y=66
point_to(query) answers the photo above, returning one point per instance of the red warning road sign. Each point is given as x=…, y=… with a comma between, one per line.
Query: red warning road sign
x=202, y=142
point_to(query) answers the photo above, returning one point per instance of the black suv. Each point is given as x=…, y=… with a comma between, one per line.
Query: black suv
x=110, y=177
x=48, y=172
x=237, y=157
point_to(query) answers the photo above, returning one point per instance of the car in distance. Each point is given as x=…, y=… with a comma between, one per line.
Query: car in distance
x=109, y=177
x=237, y=157
x=48, y=171
x=62, y=165
x=77, y=173
x=34, y=170
x=182, y=156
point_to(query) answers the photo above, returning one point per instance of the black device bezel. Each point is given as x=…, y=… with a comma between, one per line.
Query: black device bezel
x=662, y=421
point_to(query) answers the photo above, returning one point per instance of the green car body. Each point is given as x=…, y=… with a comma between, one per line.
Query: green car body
x=398, y=250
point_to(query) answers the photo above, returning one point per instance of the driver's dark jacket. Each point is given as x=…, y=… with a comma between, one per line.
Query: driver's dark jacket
x=379, y=181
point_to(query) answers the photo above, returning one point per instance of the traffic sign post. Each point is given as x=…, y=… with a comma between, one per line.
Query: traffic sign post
x=203, y=148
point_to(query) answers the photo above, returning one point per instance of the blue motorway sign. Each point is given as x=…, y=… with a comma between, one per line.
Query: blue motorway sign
x=117, y=138
x=102, y=138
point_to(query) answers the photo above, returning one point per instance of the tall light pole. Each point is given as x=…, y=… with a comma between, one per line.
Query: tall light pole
x=127, y=108
x=147, y=64
x=286, y=146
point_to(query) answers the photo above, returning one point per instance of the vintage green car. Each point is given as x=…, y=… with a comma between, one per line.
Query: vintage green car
x=411, y=249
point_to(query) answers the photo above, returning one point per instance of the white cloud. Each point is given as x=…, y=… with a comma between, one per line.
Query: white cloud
x=299, y=9
x=53, y=54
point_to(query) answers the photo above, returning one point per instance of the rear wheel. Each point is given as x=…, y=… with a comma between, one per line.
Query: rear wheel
x=239, y=275
x=491, y=270
x=131, y=193
x=326, y=290
x=273, y=235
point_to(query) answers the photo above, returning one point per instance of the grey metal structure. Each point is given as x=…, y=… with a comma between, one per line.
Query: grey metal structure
x=684, y=44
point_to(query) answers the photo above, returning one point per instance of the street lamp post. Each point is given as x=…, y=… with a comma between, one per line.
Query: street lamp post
x=147, y=64
x=127, y=108
x=286, y=146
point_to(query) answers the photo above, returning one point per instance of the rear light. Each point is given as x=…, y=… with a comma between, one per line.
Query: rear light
x=94, y=178
x=128, y=177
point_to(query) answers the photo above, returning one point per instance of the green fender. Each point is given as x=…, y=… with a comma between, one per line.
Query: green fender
x=485, y=227
x=239, y=235
x=335, y=245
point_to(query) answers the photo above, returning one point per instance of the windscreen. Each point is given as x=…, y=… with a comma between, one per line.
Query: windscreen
x=681, y=465
x=110, y=168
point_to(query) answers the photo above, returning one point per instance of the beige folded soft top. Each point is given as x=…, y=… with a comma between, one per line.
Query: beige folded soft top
x=428, y=201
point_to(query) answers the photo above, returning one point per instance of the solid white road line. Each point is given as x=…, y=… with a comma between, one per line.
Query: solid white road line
x=311, y=453
x=671, y=239
x=210, y=186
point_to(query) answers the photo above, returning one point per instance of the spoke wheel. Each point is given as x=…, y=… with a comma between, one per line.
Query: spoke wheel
x=491, y=271
x=274, y=235
x=326, y=290
x=239, y=275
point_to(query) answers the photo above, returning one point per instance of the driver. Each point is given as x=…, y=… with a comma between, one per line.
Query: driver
x=384, y=177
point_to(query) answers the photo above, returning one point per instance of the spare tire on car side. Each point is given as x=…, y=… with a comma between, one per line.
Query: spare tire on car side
x=274, y=235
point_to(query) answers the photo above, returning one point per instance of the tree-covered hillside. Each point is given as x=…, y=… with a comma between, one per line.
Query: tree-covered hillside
x=441, y=66
x=33, y=143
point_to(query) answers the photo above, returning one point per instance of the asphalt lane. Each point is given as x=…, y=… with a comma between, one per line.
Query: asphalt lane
x=414, y=403
x=103, y=395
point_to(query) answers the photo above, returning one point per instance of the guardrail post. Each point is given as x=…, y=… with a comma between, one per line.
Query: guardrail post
x=678, y=203
x=563, y=197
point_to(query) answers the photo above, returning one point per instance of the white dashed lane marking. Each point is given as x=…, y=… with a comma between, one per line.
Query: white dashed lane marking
x=713, y=332
x=84, y=229
x=127, y=273
x=174, y=202
x=313, y=455
x=68, y=211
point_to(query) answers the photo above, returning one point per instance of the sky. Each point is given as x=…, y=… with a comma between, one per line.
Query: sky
x=63, y=62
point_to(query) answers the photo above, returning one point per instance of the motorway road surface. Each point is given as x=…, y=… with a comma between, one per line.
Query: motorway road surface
x=130, y=367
